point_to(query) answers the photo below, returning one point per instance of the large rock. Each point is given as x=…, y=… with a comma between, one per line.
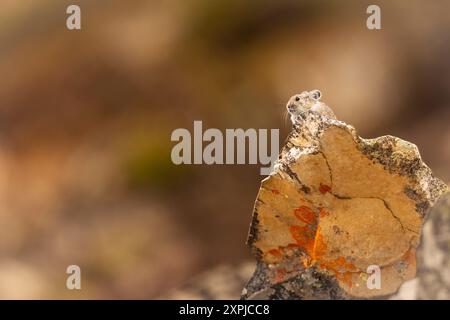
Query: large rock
x=334, y=205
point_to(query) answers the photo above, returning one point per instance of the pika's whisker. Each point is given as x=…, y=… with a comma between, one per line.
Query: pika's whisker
x=285, y=117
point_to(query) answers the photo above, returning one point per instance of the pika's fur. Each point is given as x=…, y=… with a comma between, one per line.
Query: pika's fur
x=308, y=101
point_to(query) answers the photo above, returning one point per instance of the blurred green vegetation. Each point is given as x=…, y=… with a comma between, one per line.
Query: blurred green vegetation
x=148, y=166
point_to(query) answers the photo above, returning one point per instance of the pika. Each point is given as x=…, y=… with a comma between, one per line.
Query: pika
x=308, y=101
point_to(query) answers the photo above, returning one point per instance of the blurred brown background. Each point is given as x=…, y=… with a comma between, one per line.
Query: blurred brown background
x=86, y=118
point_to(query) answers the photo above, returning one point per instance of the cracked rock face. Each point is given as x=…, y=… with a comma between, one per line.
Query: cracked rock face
x=334, y=205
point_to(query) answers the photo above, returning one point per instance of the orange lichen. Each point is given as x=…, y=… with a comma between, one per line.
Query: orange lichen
x=319, y=246
x=304, y=237
x=313, y=244
x=275, y=191
x=305, y=214
x=276, y=253
x=340, y=267
x=323, y=213
x=346, y=278
x=323, y=188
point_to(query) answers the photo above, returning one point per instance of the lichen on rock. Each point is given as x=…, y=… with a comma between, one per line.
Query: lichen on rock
x=334, y=205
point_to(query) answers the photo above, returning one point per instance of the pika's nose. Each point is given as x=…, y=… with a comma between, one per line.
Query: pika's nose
x=291, y=107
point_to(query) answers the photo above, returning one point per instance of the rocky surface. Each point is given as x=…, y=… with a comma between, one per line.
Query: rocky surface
x=433, y=258
x=434, y=254
x=334, y=205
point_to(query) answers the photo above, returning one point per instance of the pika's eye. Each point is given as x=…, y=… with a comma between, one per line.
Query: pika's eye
x=297, y=98
x=316, y=94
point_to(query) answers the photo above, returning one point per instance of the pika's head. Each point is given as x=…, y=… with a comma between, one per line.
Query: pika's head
x=302, y=102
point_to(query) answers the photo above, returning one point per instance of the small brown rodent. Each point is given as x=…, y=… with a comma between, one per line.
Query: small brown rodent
x=308, y=101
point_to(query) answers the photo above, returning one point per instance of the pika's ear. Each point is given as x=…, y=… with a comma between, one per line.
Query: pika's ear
x=315, y=94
